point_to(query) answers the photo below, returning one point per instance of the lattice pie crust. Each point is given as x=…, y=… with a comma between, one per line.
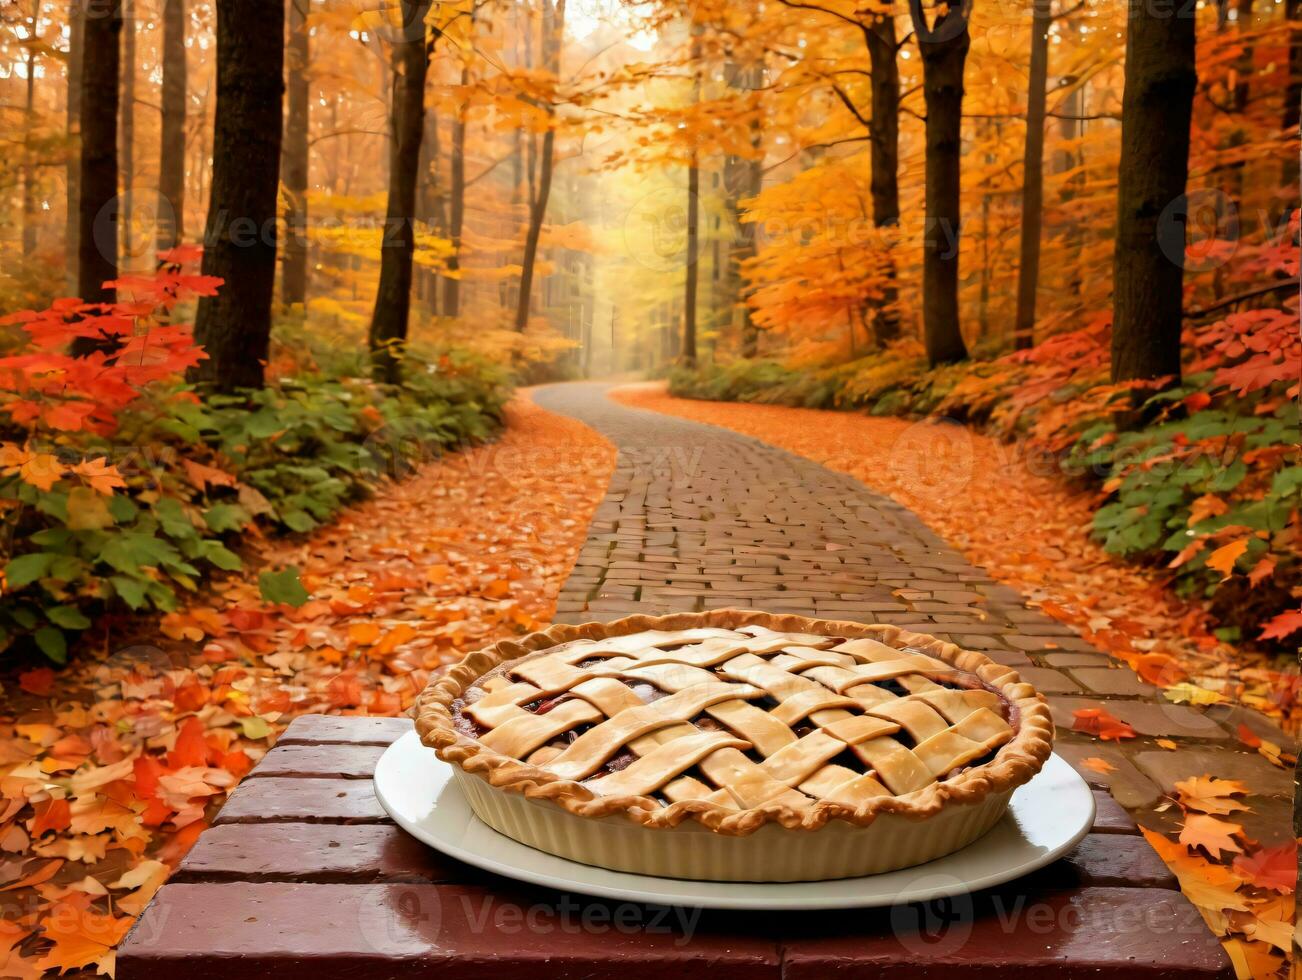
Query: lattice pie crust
x=732, y=720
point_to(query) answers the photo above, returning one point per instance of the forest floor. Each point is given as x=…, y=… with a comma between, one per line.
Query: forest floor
x=1028, y=528
x=168, y=716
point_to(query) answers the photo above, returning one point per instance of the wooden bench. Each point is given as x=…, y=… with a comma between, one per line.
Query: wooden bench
x=303, y=875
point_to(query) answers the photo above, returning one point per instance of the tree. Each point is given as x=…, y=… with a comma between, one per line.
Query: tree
x=456, y=207
x=29, y=132
x=1293, y=91
x=72, y=181
x=743, y=180
x=883, y=125
x=693, y=271
x=127, y=133
x=1148, y=263
x=171, y=151
x=234, y=327
x=97, y=238
x=884, y=136
x=553, y=34
x=944, y=46
x=293, y=283
x=1028, y=272
x=393, y=298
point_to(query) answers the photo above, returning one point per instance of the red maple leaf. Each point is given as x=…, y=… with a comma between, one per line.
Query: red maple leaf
x=1285, y=624
x=1272, y=867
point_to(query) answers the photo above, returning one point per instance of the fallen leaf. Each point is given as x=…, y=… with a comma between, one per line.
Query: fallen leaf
x=1213, y=835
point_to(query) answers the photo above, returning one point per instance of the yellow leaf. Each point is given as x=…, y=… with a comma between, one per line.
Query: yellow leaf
x=42, y=471
x=87, y=510
x=1186, y=693
x=102, y=477
x=1210, y=795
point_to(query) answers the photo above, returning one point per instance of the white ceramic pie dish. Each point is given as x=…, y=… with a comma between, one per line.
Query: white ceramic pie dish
x=691, y=850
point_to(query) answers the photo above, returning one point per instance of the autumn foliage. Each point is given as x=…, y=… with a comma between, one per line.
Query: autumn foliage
x=121, y=489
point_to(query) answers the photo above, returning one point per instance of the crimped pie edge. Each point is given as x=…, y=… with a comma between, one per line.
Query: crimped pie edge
x=1014, y=763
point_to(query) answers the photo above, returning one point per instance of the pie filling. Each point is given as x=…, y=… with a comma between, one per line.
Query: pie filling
x=739, y=718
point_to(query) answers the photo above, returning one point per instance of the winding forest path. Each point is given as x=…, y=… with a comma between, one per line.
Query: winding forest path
x=699, y=517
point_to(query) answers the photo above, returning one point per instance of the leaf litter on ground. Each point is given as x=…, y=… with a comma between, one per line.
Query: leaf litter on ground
x=111, y=768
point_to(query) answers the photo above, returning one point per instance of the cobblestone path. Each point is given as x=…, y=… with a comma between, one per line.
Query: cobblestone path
x=698, y=517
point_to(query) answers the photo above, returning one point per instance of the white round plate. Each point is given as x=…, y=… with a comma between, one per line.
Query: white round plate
x=1046, y=818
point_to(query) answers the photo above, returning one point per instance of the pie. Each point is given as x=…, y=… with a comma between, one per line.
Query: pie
x=737, y=745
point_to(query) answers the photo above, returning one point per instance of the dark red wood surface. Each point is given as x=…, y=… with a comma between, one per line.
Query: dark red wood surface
x=304, y=875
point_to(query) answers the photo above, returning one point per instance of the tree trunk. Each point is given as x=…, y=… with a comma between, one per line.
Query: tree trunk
x=1028, y=273
x=128, y=132
x=747, y=248
x=743, y=179
x=1148, y=273
x=393, y=297
x=72, y=180
x=944, y=47
x=456, y=208
x=234, y=326
x=693, y=260
x=29, y=133
x=692, y=271
x=97, y=227
x=170, y=225
x=429, y=203
x=1293, y=92
x=293, y=283
x=553, y=34
x=884, y=135
x=1238, y=83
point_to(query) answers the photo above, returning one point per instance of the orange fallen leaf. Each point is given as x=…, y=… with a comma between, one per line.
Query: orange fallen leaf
x=1096, y=764
x=1210, y=886
x=1097, y=721
x=1211, y=834
x=81, y=934
x=363, y=634
x=1210, y=795
x=51, y=815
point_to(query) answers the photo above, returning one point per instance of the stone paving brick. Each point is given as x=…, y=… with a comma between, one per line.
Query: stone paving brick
x=1168, y=768
x=1113, y=680
x=1049, y=681
x=1128, y=786
x=1077, y=660
x=1157, y=720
